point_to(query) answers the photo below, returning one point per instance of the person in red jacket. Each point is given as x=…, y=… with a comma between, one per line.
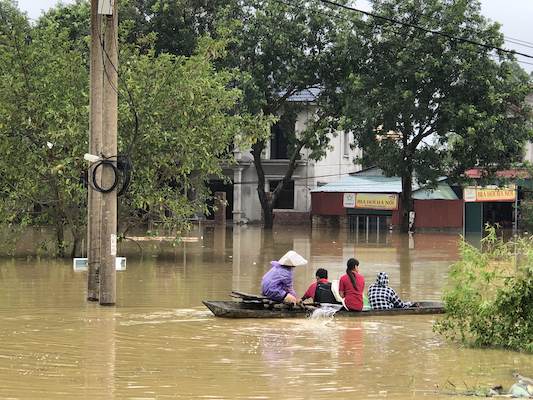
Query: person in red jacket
x=321, y=275
x=320, y=290
x=351, y=286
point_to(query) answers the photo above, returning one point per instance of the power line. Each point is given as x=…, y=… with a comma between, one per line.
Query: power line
x=519, y=40
x=398, y=32
x=433, y=32
x=495, y=57
x=297, y=178
x=518, y=43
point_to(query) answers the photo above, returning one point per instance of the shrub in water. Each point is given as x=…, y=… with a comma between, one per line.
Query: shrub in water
x=490, y=299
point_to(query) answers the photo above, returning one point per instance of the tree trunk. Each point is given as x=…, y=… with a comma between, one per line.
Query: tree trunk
x=268, y=200
x=60, y=238
x=264, y=199
x=268, y=217
x=76, y=241
x=406, y=199
x=74, y=252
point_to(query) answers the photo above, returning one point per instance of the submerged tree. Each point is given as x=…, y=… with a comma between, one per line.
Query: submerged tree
x=43, y=121
x=422, y=105
x=278, y=49
x=177, y=119
x=281, y=49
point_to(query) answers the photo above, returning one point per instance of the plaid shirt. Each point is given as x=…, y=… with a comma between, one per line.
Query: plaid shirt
x=383, y=297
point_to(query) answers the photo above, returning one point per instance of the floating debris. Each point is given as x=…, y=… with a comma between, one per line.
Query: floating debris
x=523, y=388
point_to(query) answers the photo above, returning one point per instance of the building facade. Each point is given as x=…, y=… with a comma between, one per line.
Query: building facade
x=295, y=203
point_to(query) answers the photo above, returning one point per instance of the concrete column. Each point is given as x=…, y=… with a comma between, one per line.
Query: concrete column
x=220, y=241
x=220, y=204
x=236, y=260
x=237, y=196
x=344, y=221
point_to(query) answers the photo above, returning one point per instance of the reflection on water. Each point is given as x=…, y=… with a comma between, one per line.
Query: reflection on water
x=159, y=342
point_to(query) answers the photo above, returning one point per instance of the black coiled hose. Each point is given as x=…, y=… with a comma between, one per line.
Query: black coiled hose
x=122, y=168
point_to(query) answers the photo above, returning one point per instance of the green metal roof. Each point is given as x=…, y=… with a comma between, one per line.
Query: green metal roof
x=443, y=191
x=384, y=184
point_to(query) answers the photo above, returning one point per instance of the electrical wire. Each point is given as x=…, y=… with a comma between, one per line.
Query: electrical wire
x=297, y=178
x=391, y=28
x=518, y=43
x=421, y=28
x=121, y=172
x=94, y=181
x=519, y=40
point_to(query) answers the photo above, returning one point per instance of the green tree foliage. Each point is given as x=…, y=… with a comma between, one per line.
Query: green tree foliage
x=281, y=49
x=187, y=125
x=43, y=121
x=490, y=299
x=277, y=48
x=186, y=121
x=178, y=23
x=424, y=105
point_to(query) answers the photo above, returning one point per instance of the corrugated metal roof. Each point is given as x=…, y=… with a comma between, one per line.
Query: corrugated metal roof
x=363, y=184
x=443, y=191
x=305, y=96
x=384, y=184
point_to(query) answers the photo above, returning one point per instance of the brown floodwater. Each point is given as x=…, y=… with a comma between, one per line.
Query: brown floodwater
x=160, y=342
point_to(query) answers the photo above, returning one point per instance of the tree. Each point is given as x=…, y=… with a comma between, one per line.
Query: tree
x=423, y=105
x=178, y=123
x=43, y=119
x=281, y=49
x=177, y=119
x=277, y=48
x=178, y=23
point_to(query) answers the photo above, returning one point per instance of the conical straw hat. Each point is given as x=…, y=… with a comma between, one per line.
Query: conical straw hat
x=292, y=259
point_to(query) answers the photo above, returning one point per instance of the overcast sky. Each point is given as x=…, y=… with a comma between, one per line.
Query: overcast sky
x=516, y=17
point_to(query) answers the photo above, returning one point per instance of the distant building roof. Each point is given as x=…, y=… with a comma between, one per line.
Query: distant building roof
x=363, y=184
x=477, y=173
x=383, y=184
x=443, y=191
x=305, y=96
x=370, y=171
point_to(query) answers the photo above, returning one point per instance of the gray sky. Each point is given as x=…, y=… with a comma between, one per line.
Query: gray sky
x=515, y=16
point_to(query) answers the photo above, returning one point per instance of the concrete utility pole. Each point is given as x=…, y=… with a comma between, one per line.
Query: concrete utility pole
x=108, y=287
x=95, y=147
x=102, y=212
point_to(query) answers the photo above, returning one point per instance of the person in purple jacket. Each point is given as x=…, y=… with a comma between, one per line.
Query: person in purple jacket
x=277, y=283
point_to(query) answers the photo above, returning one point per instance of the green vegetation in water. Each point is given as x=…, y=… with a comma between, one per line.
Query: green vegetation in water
x=490, y=301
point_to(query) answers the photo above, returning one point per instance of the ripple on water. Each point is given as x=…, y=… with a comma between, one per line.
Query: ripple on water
x=160, y=343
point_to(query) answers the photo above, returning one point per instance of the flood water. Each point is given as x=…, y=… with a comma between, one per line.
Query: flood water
x=160, y=342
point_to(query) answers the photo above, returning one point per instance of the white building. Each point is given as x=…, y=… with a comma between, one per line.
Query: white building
x=529, y=146
x=295, y=201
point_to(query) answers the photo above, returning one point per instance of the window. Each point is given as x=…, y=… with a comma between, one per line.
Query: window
x=286, y=197
x=346, y=144
x=281, y=134
x=278, y=143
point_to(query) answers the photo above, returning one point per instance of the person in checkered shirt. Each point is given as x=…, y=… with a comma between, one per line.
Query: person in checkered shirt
x=382, y=297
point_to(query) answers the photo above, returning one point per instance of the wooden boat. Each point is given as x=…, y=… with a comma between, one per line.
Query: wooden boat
x=251, y=306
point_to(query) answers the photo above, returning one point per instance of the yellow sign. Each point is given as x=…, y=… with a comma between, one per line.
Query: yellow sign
x=376, y=201
x=487, y=194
